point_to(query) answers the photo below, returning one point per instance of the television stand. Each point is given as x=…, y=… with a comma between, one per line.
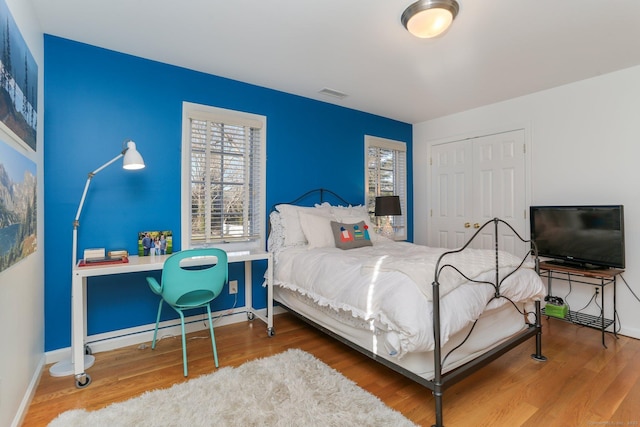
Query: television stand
x=600, y=279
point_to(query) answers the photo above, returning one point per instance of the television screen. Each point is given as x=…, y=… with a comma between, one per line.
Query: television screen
x=586, y=236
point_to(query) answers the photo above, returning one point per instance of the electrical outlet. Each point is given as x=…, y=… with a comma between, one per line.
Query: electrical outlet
x=233, y=286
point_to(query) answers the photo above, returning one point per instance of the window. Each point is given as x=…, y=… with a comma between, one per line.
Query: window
x=223, y=178
x=386, y=175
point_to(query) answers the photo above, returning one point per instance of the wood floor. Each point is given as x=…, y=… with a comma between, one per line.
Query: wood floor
x=581, y=384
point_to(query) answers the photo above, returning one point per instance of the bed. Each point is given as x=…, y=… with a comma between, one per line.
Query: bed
x=432, y=314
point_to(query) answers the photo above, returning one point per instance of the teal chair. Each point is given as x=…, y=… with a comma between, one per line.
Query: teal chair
x=191, y=279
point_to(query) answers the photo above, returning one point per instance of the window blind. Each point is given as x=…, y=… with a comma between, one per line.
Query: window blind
x=226, y=181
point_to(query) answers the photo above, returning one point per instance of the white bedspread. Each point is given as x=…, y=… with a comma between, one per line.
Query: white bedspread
x=389, y=300
x=419, y=263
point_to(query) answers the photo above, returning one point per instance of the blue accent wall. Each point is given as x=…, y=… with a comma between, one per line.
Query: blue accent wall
x=96, y=98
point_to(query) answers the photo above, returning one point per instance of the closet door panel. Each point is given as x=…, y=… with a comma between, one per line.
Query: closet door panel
x=499, y=175
x=451, y=194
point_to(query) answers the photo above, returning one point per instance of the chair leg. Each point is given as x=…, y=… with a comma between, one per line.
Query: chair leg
x=213, y=337
x=155, y=332
x=184, y=344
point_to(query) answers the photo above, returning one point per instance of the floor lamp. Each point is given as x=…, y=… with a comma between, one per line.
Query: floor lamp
x=132, y=160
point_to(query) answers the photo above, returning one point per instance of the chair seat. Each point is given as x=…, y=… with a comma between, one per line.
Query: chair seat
x=195, y=299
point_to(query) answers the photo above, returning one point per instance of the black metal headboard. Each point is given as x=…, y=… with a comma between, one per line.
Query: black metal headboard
x=318, y=194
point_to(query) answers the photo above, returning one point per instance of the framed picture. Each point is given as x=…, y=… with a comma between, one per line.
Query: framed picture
x=155, y=243
x=18, y=207
x=18, y=82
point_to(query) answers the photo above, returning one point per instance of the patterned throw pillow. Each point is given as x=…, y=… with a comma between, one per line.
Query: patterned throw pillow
x=350, y=236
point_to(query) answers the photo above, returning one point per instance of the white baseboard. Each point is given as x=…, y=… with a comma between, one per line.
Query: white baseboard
x=28, y=395
x=630, y=332
x=144, y=334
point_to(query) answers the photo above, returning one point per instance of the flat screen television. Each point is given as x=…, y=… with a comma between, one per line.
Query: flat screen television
x=581, y=236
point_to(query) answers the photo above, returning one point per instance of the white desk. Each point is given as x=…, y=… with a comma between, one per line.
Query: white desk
x=149, y=263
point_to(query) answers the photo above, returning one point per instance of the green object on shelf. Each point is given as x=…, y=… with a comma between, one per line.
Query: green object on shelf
x=556, y=310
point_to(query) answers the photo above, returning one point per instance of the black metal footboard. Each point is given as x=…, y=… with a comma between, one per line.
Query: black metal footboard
x=442, y=380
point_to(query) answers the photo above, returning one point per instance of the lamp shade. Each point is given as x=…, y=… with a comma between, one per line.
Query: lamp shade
x=132, y=158
x=429, y=18
x=388, y=205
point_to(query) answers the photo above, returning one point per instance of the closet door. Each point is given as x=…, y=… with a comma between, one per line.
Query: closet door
x=474, y=181
x=499, y=187
x=451, y=194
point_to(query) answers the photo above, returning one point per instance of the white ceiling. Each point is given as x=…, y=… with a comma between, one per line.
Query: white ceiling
x=495, y=50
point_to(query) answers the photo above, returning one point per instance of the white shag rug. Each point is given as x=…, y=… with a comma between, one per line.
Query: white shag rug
x=292, y=388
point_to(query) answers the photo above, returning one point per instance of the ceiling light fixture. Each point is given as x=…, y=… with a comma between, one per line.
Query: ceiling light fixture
x=429, y=18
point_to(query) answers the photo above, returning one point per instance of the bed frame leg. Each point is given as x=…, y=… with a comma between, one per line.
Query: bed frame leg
x=538, y=354
x=437, y=394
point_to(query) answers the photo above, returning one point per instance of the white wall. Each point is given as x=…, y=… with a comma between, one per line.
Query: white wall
x=22, y=285
x=584, y=148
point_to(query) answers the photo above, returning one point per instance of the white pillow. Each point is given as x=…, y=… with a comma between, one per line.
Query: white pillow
x=293, y=234
x=317, y=230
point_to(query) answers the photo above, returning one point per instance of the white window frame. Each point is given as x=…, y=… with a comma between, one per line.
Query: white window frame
x=215, y=114
x=399, y=223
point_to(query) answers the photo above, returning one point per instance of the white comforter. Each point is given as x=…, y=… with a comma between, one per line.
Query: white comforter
x=389, y=299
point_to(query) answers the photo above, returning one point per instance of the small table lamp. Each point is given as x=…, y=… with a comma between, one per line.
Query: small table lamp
x=387, y=206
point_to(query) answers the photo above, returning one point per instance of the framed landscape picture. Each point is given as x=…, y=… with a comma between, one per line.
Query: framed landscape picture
x=155, y=243
x=18, y=214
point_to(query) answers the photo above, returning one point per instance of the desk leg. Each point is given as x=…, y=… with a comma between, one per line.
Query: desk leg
x=78, y=330
x=248, y=280
x=248, y=291
x=270, y=331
